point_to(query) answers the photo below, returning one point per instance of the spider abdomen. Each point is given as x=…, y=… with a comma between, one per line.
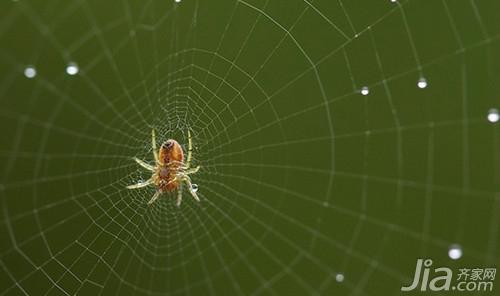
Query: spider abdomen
x=171, y=158
x=170, y=152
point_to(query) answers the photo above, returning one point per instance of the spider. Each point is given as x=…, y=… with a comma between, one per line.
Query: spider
x=169, y=170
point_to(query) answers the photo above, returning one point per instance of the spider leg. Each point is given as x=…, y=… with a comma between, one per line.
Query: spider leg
x=140, y=185
x=172, y=181
x=190, y=150
x=144, y=164
x=190, y=187
x=153, y=144
x=154, y=198
x=189, y=171
x=179, y=196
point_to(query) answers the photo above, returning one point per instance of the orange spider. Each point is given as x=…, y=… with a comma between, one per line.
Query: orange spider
x=169, y=170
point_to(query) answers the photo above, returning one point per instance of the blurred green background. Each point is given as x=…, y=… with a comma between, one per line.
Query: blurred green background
x=326, y=170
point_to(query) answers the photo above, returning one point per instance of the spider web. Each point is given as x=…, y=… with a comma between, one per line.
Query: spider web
x=338, y=142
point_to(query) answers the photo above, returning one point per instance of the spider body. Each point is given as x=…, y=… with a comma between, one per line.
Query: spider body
x=171, y=170
x=170, y=157
x=171, y=150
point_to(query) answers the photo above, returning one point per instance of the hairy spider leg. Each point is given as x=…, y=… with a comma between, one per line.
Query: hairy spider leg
x=190, y=150
x=154, y=198
x=179, y=196
x=190, y=187
x=144, y=164
x=141, y=184
x=191, y=171
x=153, y=144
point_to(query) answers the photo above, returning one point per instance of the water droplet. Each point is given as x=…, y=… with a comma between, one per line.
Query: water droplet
x=194, y=187
x=177, y=1
x=422, y=83
x=72, y=69
x=493, y=115
x=30, y=72
x=455, y=252
x=365, y=91
x=339, y=277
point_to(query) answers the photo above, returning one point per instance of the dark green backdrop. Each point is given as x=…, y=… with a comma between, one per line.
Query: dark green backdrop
x=304, y=178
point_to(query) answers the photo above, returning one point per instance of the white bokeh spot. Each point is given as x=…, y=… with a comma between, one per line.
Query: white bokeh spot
x=72, y=69
x=339, y=277
x=422, y=83
x=455, y=252
x=365, y=90
x=30, y=72
x=493, y=115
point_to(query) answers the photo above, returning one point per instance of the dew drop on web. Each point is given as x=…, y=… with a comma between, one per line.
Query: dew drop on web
x=422, y=83
x=339, y=277
x=365, y=90
x=455, y=252
x=493, y=115
x=72, y=69
x=30, y=72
